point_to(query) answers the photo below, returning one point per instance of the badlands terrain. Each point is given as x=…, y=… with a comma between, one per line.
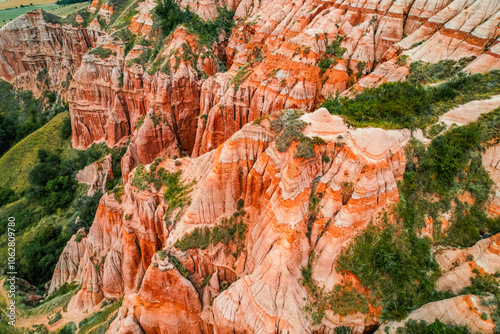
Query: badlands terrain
x=253, y=166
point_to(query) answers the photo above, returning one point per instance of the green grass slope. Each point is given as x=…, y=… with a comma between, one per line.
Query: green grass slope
x=16, y=164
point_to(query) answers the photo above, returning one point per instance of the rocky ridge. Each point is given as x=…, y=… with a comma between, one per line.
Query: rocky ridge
x=220, y=124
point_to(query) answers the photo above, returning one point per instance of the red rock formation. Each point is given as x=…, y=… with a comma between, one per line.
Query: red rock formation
x=164, y=291
x=107, y=101
x=31, y=45
x=276, y=188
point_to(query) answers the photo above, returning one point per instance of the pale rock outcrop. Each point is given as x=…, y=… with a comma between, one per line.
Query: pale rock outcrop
x=457, y=264
x=67, y=269
x=96, y=175
x=470, y=112
x=457, y=311
x=275, y=187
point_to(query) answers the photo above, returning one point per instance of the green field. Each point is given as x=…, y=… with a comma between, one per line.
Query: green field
x=9, y=14
x=16, y=164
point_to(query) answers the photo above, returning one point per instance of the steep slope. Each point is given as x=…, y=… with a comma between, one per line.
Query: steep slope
x=275, y=188
x=38, y=54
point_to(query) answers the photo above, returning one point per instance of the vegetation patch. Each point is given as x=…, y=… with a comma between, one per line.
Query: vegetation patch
x=179, y=266
x=426, y=73
x=69, y=328
x=289, y=128
x=342, y=299
x=101, y=52
x=98, y=318
x=55, y=318
x=333, y=52
x=449, y=167
x=395, y=265
x=230, y=230
x=168, y=15
x=410, y=105
x=391, y=260
x=422, y=327
x=22, y=114
x=240, y=76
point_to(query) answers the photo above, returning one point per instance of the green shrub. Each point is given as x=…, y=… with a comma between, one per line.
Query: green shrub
x=142, y=59
x=414, y=327
x=85, y=207
x=162, y=254
x=231, y=230
x=62, y=290
x=98, y=318
x=289, y=129
x=118, y=193
x=128, y=216
x=402, y=60
x=434, y=72
x=333, y=52
x=391, y=105
x=55, y=319
x=155, y=67
x=103, y=328
x=179, y=266
x=22, y=114
x=168, y=15
x=69, y=328
x=40, y=254
x=79, y=237
x=410, y=105
x=66, y=128
x=396, y=265
x=450, y=166
x=343, y=330
x=155, y=164
x=7, y=196
x=177, y=192
x=101, y=52
x=305, y=149
x=361, y=67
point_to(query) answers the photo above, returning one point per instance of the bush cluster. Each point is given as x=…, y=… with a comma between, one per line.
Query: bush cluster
x=425, y=73
x=168, y=15
x=342, y=299
x=333, y=52
x=289, y=128
x=230, y=230
x=422, y=327
x=410, y=105
x=396, y=265
x=101, y=52
x=22, y=114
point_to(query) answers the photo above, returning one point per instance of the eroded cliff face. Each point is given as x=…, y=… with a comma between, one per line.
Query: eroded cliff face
x=275, y=188
x=277, y=58
x=39, y=55
x=220, y=124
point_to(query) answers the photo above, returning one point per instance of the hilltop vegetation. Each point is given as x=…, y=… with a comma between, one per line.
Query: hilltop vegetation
x=392, y=260
x=410, y=105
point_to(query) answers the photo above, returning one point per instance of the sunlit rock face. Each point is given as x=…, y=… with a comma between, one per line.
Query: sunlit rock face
x=38, y=55
x=274, y=188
